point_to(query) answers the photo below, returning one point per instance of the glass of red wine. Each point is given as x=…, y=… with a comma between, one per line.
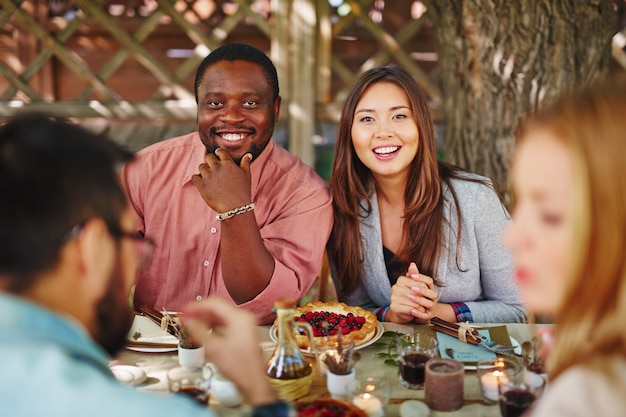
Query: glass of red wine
x=193, y=383
x=516, y=397
x=413, y=353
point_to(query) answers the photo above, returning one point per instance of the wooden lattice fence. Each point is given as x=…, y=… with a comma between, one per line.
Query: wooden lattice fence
x=128, y=66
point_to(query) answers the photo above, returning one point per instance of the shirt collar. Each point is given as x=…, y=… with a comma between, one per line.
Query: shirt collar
x=196, y=157
x=23, y=318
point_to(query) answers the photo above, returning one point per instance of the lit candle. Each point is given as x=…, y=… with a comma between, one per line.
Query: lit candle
x=443, y=387
x=489, y=384
x=372, y=406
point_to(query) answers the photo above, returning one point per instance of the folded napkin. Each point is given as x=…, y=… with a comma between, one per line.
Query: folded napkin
x=451, y=347
x=468, y=353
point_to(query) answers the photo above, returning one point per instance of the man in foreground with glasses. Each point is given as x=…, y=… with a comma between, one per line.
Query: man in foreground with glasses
x=68, y=259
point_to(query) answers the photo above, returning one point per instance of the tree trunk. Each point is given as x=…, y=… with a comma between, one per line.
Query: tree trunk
x=499, y=59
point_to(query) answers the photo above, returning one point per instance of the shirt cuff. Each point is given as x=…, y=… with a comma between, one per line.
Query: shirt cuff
x=381, y=313
x=462, y=312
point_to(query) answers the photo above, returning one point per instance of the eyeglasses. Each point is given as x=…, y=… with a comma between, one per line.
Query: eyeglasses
x=142, y=245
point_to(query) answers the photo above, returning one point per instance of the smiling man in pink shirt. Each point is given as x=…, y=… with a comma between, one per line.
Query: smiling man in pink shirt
x=231, y=213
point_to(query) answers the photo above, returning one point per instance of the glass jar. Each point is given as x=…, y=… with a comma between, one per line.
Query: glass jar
x=288, y=370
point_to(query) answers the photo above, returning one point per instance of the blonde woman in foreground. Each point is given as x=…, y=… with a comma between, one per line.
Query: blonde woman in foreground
x=568, y=236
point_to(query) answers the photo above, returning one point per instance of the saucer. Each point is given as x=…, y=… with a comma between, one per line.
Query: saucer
x=128, y=374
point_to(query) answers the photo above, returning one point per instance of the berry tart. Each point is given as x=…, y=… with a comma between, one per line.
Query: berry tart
x=327, y=319
x=328, y=407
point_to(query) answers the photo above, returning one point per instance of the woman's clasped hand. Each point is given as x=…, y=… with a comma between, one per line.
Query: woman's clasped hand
x=413, y=298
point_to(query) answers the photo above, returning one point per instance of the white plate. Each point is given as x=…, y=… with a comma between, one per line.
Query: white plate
x=128, y=374
x=152, y=349
x=151, y=333
x=377, y=335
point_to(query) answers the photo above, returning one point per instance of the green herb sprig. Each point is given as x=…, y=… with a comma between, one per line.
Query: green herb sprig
x=387, y=343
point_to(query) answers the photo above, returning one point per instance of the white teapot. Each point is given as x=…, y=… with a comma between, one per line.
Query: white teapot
x=224, y=390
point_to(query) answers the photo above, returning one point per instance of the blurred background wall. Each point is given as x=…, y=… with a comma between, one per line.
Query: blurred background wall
x=126, y=68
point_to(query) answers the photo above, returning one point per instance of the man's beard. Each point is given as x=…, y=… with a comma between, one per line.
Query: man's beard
x=211, y=146
x=113, y=314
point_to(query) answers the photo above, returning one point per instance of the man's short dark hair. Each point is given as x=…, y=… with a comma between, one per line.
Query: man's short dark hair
x=239, y=52
x=53, y=176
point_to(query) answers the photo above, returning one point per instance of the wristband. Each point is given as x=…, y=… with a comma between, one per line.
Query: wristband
x=232, y=213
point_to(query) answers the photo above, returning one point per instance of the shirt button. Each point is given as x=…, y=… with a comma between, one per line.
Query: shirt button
x=198, y=297
x=213, y=230
x=206, y=263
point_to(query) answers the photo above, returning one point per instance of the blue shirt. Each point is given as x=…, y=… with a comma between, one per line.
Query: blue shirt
x=49, y=366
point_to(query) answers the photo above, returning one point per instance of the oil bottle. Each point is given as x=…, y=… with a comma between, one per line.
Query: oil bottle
x=288, y=370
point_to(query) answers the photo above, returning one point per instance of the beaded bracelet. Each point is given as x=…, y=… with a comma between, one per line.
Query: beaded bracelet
x=232, y=213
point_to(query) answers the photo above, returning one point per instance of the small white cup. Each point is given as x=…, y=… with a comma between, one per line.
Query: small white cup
x=191, y=358
x=337, y=385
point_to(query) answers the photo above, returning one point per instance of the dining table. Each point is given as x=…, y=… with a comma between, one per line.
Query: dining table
x=370, y=363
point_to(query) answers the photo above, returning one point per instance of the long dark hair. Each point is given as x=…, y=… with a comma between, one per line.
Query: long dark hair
x=352, y=184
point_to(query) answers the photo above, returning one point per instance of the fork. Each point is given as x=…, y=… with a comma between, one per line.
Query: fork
x=475, y=337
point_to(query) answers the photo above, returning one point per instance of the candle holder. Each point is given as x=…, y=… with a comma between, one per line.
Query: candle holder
x=493, y=372
x=370, y=394
x=444, y=384
x=334, y=360
x=334, y=353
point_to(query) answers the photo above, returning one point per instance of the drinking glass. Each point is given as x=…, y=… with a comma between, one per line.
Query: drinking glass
x=330, y=355
x=413, y=353
x=515, y=397
x=492, y=372
x=195, y=383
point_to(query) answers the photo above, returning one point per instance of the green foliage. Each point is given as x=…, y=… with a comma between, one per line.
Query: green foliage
x=387, y=344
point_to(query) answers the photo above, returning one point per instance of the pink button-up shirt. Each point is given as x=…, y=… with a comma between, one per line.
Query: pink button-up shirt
x=293, y=211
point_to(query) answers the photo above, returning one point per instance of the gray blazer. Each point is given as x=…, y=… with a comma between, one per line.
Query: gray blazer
x=486, y=283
